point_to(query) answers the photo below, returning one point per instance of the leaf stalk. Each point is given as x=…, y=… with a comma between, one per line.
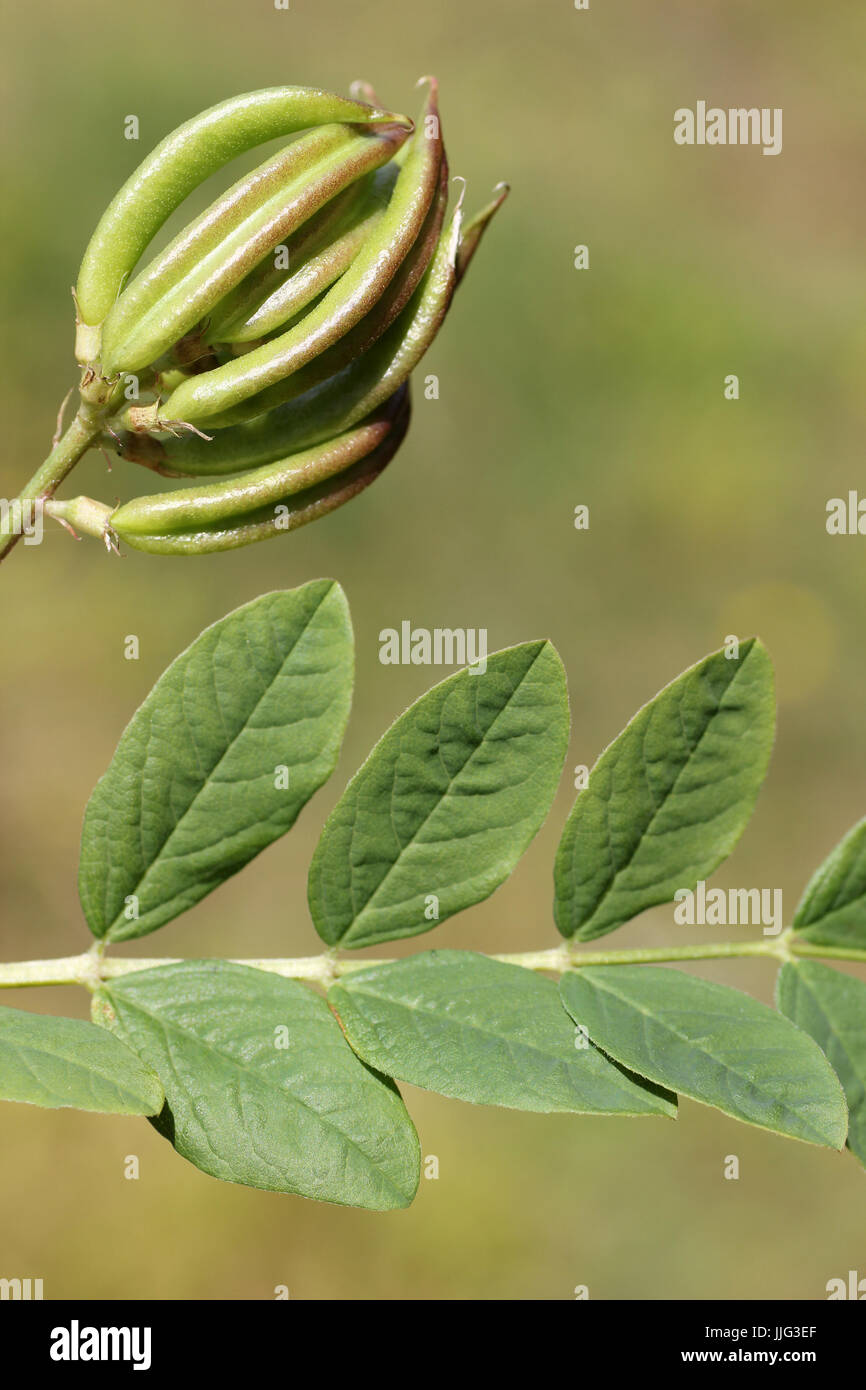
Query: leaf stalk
x=90, y=970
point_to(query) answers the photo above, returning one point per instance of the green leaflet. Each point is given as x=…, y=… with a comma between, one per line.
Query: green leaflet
x=195, y=790
x=831, y=1007
x=832, y=911
x=443, y=808
x=65, y=1062
x=479, y=1030
x=261, y=1086
x=668, y=800
x=712, y=1043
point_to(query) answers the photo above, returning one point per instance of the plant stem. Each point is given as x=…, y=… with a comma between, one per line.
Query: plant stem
x=89, y=969
x=77, y=439
x=65, y=970
x=808, y=948
x=568, y=957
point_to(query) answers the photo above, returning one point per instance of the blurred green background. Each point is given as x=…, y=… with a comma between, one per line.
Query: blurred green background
x=558, y=387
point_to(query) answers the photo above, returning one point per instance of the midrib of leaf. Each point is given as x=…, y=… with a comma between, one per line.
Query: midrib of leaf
x=470, y=1026
x=700, y=1046
x=169, y=1026
x=207, y=777
x=657, y=810
x=24, y=1054
x=849, y=875
x=839, y=903
x=447, y=792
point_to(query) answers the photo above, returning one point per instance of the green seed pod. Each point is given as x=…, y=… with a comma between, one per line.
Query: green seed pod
x=271, y=340
x=185, y=159
x=366, y=332
x=316, y=256
x=217, y=250
x=341, y=399
x=279, y=498
x=213, y=393
x=474, y=230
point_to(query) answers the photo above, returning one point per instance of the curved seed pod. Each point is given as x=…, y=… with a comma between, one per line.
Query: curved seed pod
x=219, y=248
x=317, y=256
x=330, y=407
x=336, y=404
x=296, y=369
x=339, y=216
x=191, y=508
x=476, y=227
x=185, y=159
x=292, y=510
x=217, y=391
x=347, y=395
x=371, y=327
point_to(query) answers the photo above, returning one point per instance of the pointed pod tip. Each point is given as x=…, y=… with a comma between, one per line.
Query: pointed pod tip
x=359, y=90
x=456, y=227
x=476, y=228
x=396, y=118
x=433, y=94
x=364, y=92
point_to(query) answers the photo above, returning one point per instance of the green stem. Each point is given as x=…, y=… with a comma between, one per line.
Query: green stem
x=77, y=439
x=808, y=948
x=569, y=957
x=82, y=514
x=89, y=969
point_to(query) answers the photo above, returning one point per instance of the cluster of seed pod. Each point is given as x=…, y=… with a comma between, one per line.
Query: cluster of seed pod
x=271, y=341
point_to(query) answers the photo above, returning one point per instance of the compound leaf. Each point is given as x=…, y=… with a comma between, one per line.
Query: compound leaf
x=713, y=1044
x=219, y=760
x=261, y=1086
x=446, y=803
x=670, y=797
x=67, y=1062
x=483, y=1031
x=831, y=1008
